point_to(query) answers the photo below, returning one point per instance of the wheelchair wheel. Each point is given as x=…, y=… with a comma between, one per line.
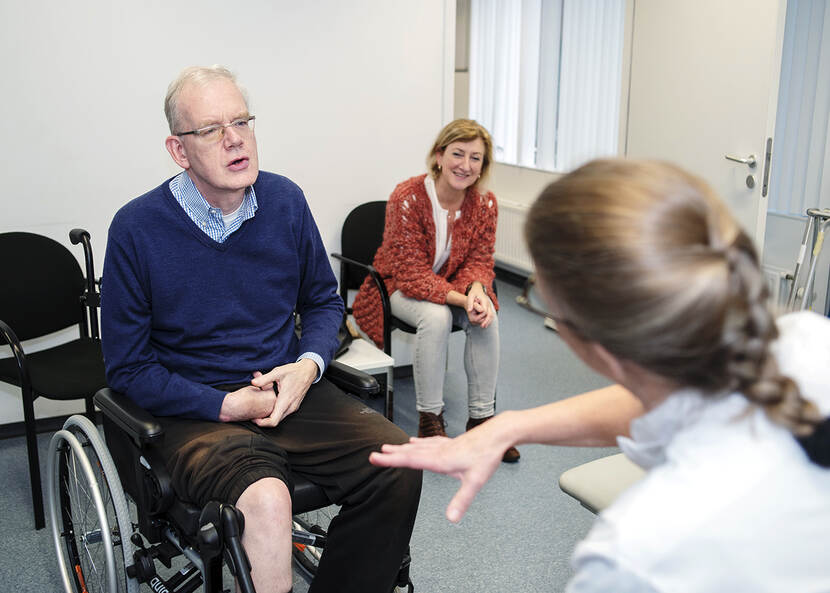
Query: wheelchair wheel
x=316, y=522
x=90, y=519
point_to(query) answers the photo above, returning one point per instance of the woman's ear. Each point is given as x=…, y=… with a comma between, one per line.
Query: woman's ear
x=616, y=370
x=609, y=365
x=439, y=156
x=592, y=353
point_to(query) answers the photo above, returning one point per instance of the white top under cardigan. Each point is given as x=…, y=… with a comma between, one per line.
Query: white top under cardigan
x=730, y=503
x=443, y=244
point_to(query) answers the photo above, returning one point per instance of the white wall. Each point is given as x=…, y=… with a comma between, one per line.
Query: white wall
x=348, y=97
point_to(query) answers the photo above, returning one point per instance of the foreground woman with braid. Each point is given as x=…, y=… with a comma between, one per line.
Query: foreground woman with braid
x=653, y=284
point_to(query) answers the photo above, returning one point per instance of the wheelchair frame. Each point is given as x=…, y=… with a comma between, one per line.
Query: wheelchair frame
x=100, y=547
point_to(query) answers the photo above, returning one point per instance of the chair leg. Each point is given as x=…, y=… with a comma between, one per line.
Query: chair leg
x=34, y=464
x=390, y=394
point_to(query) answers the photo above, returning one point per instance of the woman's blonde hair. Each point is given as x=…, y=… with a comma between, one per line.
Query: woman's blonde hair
x=645, y=259
x=460, y=130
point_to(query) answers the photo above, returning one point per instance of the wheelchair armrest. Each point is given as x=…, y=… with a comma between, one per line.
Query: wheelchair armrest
x=136, y=422
x=351, y=380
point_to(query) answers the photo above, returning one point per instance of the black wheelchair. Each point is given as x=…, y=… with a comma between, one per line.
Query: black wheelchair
x=116, y=522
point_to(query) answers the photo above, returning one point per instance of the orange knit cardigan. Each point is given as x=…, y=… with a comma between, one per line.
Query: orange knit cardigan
x=404, y=259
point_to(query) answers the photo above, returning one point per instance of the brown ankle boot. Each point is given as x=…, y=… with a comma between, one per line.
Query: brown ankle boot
x=431, y=425
x=512, y=455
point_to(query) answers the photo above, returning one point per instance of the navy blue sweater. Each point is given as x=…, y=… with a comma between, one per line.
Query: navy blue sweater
x=181, y=313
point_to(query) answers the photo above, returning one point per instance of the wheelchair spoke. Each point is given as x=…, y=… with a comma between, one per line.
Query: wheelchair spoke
x=89, y=514
x=81, y=512
x=83, y=532
x=306, y=527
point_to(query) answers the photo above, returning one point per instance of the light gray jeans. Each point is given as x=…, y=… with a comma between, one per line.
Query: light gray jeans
x=481, y=354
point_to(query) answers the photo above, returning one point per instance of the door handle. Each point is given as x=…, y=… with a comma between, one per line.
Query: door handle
x=767, y=163
x=750, y=160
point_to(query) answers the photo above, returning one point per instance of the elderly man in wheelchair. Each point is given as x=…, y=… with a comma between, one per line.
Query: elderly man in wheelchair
x=105, y=544
x=205, y=279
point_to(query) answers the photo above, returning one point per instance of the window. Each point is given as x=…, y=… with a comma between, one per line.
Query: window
x=545, y=79
x=801, y=148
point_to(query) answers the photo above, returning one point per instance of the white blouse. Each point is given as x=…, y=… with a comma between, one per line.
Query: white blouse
x=443, y=243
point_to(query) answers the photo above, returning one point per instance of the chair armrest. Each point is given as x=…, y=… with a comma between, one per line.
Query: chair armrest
x=135, y=421
x=384, y=297
x=370, y=269
x=351, y=380
x=354, y=262
x=8, y=335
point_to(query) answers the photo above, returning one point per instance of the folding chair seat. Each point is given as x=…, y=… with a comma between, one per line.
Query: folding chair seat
x=598, y=483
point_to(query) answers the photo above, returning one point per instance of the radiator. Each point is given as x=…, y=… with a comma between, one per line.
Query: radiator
x=779, y=281
x=510, y=245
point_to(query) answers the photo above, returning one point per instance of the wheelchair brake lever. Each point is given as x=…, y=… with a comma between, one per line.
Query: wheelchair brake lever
x=210, y=538
x=233, y=523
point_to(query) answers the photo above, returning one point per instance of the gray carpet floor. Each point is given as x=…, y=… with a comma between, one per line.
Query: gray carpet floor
x=517, y=536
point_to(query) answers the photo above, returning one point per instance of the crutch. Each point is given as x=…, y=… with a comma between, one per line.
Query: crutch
x=821, y=220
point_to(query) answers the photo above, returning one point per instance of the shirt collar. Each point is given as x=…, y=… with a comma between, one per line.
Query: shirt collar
x=653, y=432
x=207, y=217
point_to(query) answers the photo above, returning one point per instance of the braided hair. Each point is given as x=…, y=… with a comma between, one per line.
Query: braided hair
x=643, y=258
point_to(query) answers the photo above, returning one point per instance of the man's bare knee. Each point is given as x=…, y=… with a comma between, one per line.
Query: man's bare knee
x=266, y=505
x=266, y=497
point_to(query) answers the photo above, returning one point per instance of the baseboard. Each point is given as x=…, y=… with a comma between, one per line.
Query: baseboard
x=510, y=276
x=49, y=424
x=403, y=371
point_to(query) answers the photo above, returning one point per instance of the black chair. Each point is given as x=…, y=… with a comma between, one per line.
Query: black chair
x=131, y=548
x=361, y=236
x=43, y=292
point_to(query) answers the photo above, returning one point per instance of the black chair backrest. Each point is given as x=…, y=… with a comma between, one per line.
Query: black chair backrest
x=42, y=285
x=361, y=236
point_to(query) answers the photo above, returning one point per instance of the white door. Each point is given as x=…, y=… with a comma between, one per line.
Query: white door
x=704, y=84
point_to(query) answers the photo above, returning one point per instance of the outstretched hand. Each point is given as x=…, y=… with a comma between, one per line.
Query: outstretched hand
x=472, y=458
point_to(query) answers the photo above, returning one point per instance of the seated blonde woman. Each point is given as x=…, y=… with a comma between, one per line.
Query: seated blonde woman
x=437, y=263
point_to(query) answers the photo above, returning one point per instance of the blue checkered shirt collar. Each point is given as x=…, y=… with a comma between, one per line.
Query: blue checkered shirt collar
x=206, y=217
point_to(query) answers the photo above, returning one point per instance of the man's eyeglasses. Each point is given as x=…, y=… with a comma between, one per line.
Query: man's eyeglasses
x=214, y=133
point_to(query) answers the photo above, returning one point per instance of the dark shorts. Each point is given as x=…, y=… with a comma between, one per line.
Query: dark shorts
x=327, y=440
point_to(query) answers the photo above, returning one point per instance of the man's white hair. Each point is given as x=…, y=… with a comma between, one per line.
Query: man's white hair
x=199, y=75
